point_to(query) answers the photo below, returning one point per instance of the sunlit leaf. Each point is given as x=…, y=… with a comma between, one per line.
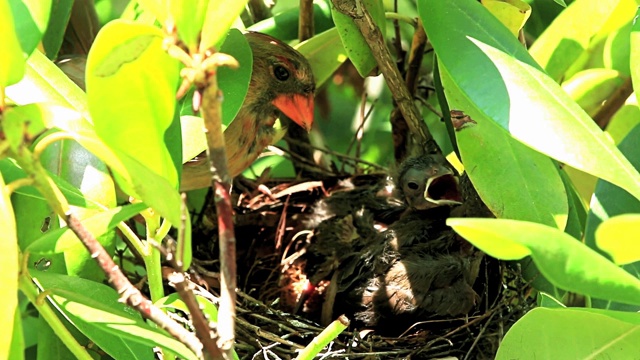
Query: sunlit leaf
x=563, y=260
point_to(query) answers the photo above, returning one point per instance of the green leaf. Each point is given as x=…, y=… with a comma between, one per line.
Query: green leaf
x=30, y=19
x=571, y=334
x=63, y=239
x=563, y=260
x=325, y=54
x=503, y=82
x=234, y=83
x=220, y=15
x=131, y=84
x=284, y=24
x=564, y=42
x=635, y=54
x=617, y=237
x=609, y=200
x=55, y=34
x=95, y=310
x=11, y=57
x=189, y=18
x=353, y=40
x=11, y=172
x=10, y=267
x=531, y=186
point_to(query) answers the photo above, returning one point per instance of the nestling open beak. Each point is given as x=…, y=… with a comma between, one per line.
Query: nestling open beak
x=443, y=190
x=297, y=107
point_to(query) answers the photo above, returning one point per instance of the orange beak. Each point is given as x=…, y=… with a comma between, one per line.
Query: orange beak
x=298, y=107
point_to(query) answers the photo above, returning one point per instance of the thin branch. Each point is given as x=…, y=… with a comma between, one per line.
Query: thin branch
x=401, y=95
x=128, y=293
x=613, y=103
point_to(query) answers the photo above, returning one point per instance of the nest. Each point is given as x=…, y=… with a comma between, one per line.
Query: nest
x=272, y=233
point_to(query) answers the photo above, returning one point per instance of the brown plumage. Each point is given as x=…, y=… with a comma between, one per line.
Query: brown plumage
x=281, y=82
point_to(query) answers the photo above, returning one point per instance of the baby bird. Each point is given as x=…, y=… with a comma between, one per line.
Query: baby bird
x=421, y=269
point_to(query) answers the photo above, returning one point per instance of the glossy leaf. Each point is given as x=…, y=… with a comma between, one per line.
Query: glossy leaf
x=30, y=19
x=9, y=259
x=131, y=84
x=44, y=82
x=11, y=57
x=531, y=188
x=63, y=239
x=563, y=260
x=503, y=82
x=118, y=330
x=563, y=43
x=572, y=334
x=353, y=40
x=325, y=54
x=219, y=17
x=617, y=236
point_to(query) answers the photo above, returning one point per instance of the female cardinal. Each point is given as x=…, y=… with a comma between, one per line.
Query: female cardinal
x=281, y=82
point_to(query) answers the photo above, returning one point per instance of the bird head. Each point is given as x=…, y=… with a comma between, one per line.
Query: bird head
x=281, y=79
x=425, y=182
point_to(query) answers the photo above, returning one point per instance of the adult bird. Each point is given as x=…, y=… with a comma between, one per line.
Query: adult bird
x=281, y=83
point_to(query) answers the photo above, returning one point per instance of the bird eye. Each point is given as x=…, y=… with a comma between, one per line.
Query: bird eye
x=281, y=73
x=413, y=185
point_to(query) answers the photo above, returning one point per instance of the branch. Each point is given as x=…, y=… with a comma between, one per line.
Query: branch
x=401, y=95
x=221, y=183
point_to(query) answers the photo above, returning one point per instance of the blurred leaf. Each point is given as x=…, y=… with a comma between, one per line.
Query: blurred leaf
x=569, y=36
x=95, y=310
x=63, y=239
x=512, y=13
x=624, y=120
x=616, y=237
x=325, y=54
x=220, y=15
x=353, y=40
x=30, y=20
x=563, y=260
x=192, y=130
x=189, y=18
x=9, y=254
x=11, y=57
x=234, y=83
x=531, y=188
x=635, y=53
x=54, y=36
x=131, y=84
x=571, y=334
x=157, y=8
x=284, y=25
x=592, y=87
x=506, y=85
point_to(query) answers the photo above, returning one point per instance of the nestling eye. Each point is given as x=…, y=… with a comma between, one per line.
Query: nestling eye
x=281, y=73
x=413, y=185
